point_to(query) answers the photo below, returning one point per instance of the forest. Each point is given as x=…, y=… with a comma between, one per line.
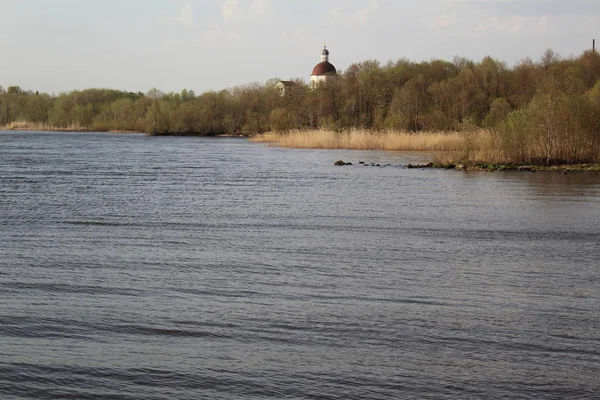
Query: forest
x=545, y=111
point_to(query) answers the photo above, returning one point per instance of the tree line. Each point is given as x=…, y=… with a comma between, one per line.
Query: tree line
x=547, y=110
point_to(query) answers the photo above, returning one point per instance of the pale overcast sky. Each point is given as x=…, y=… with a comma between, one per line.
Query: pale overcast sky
x=134, y=45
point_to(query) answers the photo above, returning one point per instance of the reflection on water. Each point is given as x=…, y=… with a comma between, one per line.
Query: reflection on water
x=574, y=184
x=135, y=267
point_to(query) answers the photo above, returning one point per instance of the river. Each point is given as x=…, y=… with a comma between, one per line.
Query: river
x=137, y=267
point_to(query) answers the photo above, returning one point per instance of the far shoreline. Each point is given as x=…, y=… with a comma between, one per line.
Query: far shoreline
x=14, y=127
x=478, y=166
x=84, y=130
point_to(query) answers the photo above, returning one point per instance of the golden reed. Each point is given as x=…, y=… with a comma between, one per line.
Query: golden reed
x=40, y=126
x=357, y=139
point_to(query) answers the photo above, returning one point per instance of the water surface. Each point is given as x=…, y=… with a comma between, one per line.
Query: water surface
x=136, y=267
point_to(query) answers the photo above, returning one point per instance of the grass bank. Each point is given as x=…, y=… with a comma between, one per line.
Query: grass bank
x=40, y=126
x=477, y=149
x=357, y=139
x=45, y=127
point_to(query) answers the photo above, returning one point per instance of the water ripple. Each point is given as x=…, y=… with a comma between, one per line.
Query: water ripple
x=136, y=267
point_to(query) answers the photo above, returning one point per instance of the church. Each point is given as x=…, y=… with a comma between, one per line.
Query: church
x=323, y=71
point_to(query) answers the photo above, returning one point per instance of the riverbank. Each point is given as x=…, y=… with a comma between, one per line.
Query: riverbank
x=44, y=127
x=40, y=126
x=360, y=139
x=510, y=167
x=564, y=168
x=473, y=150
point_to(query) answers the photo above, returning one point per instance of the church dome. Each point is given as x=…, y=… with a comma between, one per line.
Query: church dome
x=324, y=68
x=323, y=72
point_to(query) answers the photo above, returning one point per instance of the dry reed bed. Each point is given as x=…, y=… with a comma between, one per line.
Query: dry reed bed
x=385, y=140
x=41, y=126
x=475, y=148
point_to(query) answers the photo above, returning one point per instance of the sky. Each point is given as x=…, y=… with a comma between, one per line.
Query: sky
x=57, y=46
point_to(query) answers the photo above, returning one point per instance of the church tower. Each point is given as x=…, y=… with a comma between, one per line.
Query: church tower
x=323, y=71
x=325, y=55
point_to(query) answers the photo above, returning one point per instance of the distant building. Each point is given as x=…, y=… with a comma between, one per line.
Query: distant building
x=323, y=71
x=284, y=87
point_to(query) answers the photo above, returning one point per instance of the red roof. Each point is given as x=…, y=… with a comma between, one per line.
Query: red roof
x=324, y=68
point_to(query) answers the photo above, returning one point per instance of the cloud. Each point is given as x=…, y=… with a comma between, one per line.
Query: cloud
x=377, y=3
x=543, y=25
x=361, y=17
x=516, y=24
x=443, y=21
x=513, y=24
x=294, y=33
x=354, y=14
x=259, y=6
x=487, y=1
x=229, y=9
x=186, y=14
x=528, y=7
x=212, y=33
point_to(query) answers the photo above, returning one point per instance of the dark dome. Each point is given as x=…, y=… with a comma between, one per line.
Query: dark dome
x=324, y=68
